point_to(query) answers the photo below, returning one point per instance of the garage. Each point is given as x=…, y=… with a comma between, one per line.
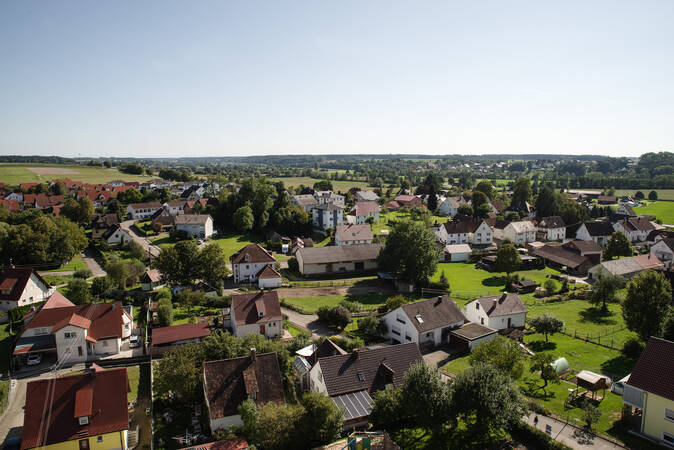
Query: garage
x=456, y=252
x=470, y=335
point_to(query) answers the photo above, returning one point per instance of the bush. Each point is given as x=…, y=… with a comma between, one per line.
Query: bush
x=165, y=314
x=395, y=302
x=82, y=273
x=293, y=265
x=352, y=307
x=338, y=316
x=633, y=348
x=372, y=328
x=550, y=286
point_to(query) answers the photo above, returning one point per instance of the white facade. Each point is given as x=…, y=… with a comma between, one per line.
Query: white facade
x=635, y=235
x=316, y=381
x=118, y=237
x=475, y=313
x=552, y=234
x=269, y=283
x=582, y=234
x=326, y=218
x=267, y=329
x=401, y=329
x=246, y=272
x=520, y=232
x=34, y=292
x=663, y=252
x=142, y=212
x=202, y=230
x=342, y=266
x=483, y=235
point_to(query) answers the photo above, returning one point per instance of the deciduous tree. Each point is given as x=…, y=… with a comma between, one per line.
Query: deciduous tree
x=410, y=252
x=647, y=304
x=618, y=245
x=502, y=353
x=546, y=324
x=507, y=259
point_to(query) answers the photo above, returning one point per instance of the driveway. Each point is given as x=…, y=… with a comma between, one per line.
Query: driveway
x=88, y=258
x=11, y=421
x=308, y=321
x=142, y=240
x=570, y=435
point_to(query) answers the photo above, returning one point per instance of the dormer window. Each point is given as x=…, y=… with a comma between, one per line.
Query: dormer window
x=84, y=420
x=246, y=257
x=419, y=319
x=260, y=313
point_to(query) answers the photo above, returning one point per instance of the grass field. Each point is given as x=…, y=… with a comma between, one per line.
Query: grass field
x=229, y=242
x=310, y=305
x=661, y=210
x=20, y=173
x=181, y=315
x=74, y=264
x=663, y=194
x=338, y=186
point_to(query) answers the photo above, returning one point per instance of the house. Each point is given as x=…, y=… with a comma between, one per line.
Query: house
x=626, y=267
x=116, y=235
x=257, y=313
x=199, y=225
x=524, y=209
x=162, y=221
x=524, y=286
x=465, y=231
x=11, y=205
x=82, y=411
x=362, y=211
x=344, y=258
x=142, y=210
x=520, y=233
x=409, y=201
x=166, y=339
x=625, y=209
x=351, y=380
x=470, y=335
x=450, y=205
x=327, y=215
x=304, y=201
x=329, y=197
x=353, y=234
x=599, y=232
x=589, y=248
x=456, y=253
x=551, y=228
x=655, y=235
x=176, y=207
x=366, y=196
x=635, y=228
x=193, y=193
x=101, y=223
x=607, y=199
x=269, y=278
x=249, y=262
x=20, y=287
x=151, y=280
x=426, y=322
x=649, y=392
x=75, y=333
x=663, y=249
x=230, y=382
x=498, y=312
x=560, y=257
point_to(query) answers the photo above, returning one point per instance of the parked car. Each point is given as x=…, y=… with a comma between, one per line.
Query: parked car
x=134, y=341
x=34, y=359
x=12, y=443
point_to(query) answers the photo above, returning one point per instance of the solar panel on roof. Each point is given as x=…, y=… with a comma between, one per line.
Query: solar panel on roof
x=354, y=404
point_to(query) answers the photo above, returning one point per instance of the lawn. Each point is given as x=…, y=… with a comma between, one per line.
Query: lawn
x=181, y=315
x=663, y=194
x=661, y=210
x=309, y=305
x=338, y=186
x=385, y=217
x=74, y=264
x=13, y=174
x=229, y=242
x=467, y=282
x=57, y=280
x=293, y=330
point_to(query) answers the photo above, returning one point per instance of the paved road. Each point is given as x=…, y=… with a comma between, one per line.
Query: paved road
x=572, y=436
x=12, y=419
x=309, y=321
x=142, y=240
x=92, y=264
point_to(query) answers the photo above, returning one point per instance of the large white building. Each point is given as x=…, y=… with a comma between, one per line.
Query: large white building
x=551, y=228
x=249, y=262
x=474, y=232
x=521, y=232
x=142, y=210
x=199, y=225
x=353, y=234
x=327, y=215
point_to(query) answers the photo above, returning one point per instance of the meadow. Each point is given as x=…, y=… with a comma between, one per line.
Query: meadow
x=14, y=174
x=338, y=186
x=662, y=210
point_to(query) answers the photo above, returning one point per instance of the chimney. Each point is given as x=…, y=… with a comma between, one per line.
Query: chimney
x=495, y=303
x=253, y=354
x=356, y=353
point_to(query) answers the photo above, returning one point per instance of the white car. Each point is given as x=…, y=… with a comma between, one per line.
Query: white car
x=134, y=341
x=34, y=359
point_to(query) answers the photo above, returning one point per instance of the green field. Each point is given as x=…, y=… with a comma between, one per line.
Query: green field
x=309, y=305
x=661, y=210
x=663, y=194
x=20, y=173
x=229, y=242
x=338, y=186
x=74, y=264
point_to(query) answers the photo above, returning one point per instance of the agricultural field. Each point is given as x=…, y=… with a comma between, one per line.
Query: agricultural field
x=26, y=173
x=338, y=186
x=662, y=210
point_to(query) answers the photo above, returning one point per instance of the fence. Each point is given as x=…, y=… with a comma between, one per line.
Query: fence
x=597, y=339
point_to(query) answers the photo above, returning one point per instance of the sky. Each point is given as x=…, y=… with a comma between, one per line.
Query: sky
x=235, y=78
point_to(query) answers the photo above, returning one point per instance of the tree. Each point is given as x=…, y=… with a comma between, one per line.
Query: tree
x=465, y=210
x=190, y=298
x=546, y=324
x=323, y=185
x=77, y=291
x=487, y=188
x=388, y=409
x=432, y=199
x=165, y=314
x=653, y=195
x=639, y=195
x=100, y=286
x=410, y=252
x=647, y=304
x=591, y=414
x=521, y=192
x=482, y=210
x=478, y=199
x=444, y=282
x=548, y=202
x=426, y=397
x=395, y=302
x=213, y=264
x=321, y=421
x=117, y=271
x=337, y=316
x=502, y=353
x=135, y=250
x=372, y=328
x=507, y=259
x=542, y=363
x=485, y=398
x=179, y=372
x=550, y=286
x=180, y=263
x=618, y=245
x=243, y=219
x=604, y=290
x=668, y=327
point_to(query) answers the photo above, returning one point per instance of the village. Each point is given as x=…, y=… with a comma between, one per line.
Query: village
x=228, y=314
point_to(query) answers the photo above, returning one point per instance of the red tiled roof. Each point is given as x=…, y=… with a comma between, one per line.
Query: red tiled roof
x=256, y=254
x=75, y=320
x=268, y=272
x=654, y=371
x=105, y=318
x=20, y=277
x=12, y=205
x=68, y=396
x=364, y=208
x=175, y=333
x=245, y=307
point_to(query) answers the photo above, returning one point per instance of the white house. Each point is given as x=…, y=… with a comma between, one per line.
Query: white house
x=362, y=210
x=229, y=382
x=474, y=232
x=200, y=225
x=343, y=258
x=521, y=232
x=116, y=235
x=304, y=201
x=257, y=313
x=635, y=228
x=176, y=207
x=353, y=234
x=269, y=278
x=249, y=262
x=327, y=197
x=455, y=253
x=426, y=322
x=327, y=215
x=599, y=232
x=142, y=210
x=664, y=250
x=450, y=205
x=497, y=312
x=21, y=287
x=551, y=228
x=625, y=209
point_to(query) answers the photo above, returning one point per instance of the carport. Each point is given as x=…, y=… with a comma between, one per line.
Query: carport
x=470, y=334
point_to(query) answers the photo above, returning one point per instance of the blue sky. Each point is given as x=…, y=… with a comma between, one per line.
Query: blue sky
x=222, y=78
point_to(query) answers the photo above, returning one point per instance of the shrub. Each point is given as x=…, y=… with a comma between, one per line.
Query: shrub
x=338, y=316
x=352, y=307
x=165, y=314
x=293, y=265
x=372, y=328
x=550, y=286
x=82, y=273
x=633, y=348
x=395, y=302
x=591, y=414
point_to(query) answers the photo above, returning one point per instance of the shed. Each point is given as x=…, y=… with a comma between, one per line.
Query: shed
x=456, y=252
x=560, y=365
x=591, y=381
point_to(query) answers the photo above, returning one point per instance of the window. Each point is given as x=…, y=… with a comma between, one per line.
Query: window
x=407, y=336
x=105, y=343
x=669, y=414
x=99, y=439
x=84, y=420
x=395, y=331
x=482, y=320
x=668, y=437
x=361, y=377
x=477, y=305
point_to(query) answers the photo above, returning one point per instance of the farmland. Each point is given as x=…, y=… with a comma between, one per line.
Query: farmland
x=339, y=186
x=662, y=210
x=21, y=173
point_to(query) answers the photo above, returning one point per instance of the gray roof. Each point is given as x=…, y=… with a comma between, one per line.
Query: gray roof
x=472, y=331
x=551, y=222
x=347, y=233
x=192, y=219
x=368, y=196
x=328, y=207
x=305, y=200
x=505, y=304
x=342, y=253
x=433, y=313
x=633, y=264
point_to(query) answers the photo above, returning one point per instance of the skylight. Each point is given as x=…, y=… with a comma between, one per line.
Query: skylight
x=419, y=319
x=361, y=377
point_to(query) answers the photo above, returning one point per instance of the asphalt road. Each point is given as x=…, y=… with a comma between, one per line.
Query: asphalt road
x=308, y=321
x=142, y=240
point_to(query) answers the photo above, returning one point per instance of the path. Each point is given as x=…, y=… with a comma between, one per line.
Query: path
x=572, y=436
x=12, y=419
x=88, y=258
x=142, y=240
x=308, y=321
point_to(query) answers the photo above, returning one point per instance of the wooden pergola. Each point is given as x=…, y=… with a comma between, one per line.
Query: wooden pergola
x=591, y=382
